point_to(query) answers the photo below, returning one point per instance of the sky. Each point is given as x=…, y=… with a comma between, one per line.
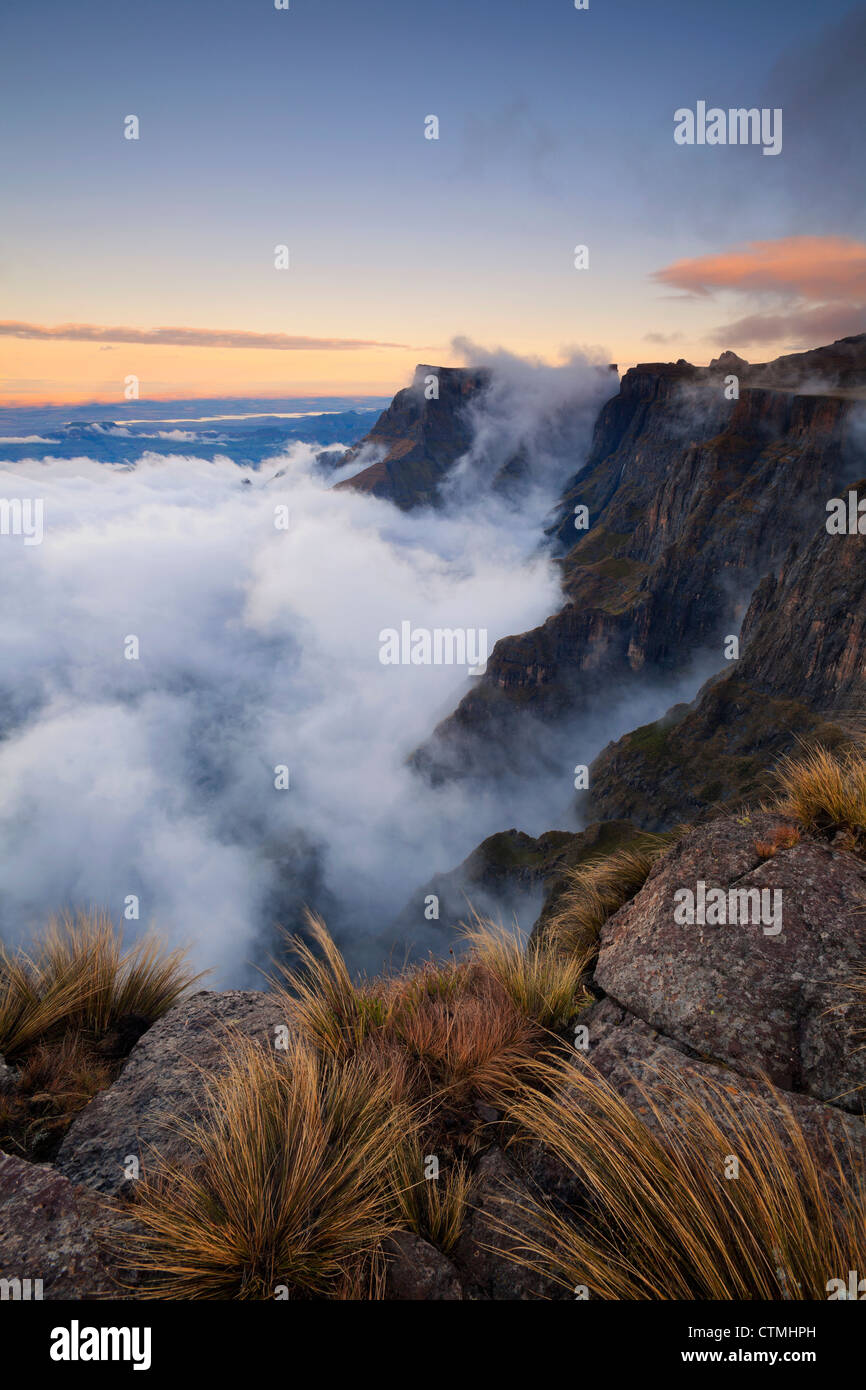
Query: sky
x=305, y=128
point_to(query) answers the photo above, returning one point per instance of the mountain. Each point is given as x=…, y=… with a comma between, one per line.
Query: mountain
x=692, y=500
x=679, y=1042
x=418, y=439
x=802, y=677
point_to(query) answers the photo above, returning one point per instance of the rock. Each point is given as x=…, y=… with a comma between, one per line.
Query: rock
x=50, y=1230
x=630, y=1055
x=419, y=439
x=162, y=1079
x=692, y=500
x=799, y=680
x=417, y=1270
x=481, y=1252
x=8, y=1076
x=764, y=1004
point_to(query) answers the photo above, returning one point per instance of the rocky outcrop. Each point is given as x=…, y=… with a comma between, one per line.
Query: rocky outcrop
x=768, y=997
x=508, y=872
x=418, y=439
x=801, y=678
x=417, y=1270
x=691, y=499
x=51, y=1235
x=638, y=1061
x=162, y=1080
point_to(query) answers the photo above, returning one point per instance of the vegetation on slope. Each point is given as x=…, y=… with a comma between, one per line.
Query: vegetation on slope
x=71, y=1009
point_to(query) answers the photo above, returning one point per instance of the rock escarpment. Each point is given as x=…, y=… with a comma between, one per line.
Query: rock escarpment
x=691, y=500
x=418, y=439
x=801, y=678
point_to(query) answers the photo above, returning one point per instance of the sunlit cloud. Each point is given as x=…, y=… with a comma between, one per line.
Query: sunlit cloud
x=803, y=288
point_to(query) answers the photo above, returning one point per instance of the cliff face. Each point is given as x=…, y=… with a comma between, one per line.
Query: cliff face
x=691, y=500
x=801, y=677
x=419, y=439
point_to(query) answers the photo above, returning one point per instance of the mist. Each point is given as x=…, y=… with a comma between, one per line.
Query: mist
x=258, y=649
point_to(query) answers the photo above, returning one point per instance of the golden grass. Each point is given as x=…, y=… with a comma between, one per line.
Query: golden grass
x=595, y=891
x=310, y=1159
x=334, y=1014
x=293, y=1189
x=453, y=1031
x=56, y=1080
x=660, y=1219
x=544, y=984
x=825, y=791
x=434, y=1208
x=77, y=978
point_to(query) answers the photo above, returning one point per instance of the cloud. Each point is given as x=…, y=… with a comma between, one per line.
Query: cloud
x=186, y=337
x=824, y=323
x=26, y=439
x=804, y=288
x=258, y=647
x=814, y=267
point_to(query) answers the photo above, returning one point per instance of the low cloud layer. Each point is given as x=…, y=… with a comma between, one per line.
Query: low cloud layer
x=257, y=648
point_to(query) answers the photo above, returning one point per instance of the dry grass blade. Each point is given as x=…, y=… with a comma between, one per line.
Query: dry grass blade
x=825, y=791
x=292, y=1188
x=544, y=984
x=595, y=891
x=432, y=1207
x=663, y=1216
x=77, y=978
x=333, y=1014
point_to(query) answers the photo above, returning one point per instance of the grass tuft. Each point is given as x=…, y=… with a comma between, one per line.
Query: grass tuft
x=662, y=1218
x=293, y=1189
x=824, y=792
x=544, y=984
x=595, y=891
x=433, y=1208
x=70, y=1009
x=78, y=979
x=780, y=837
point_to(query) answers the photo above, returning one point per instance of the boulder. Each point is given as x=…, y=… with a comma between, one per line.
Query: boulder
x=162, y=1079
x=482, y=1252
x=634, y=1058
x=419, y=1271
x=50, y=1231
x=765, y=1002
